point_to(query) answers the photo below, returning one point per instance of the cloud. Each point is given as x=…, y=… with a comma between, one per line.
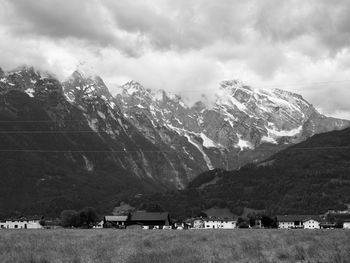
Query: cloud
x=325, y=21
x=79, y=19
x=187, y=45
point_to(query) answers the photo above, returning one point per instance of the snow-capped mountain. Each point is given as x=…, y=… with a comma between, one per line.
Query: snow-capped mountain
x=75, y=136
x=244, y=124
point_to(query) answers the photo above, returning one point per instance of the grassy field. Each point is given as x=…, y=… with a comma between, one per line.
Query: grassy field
x=174, y=246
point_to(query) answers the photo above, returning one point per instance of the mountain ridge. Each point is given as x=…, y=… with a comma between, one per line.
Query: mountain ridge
x=76, y=136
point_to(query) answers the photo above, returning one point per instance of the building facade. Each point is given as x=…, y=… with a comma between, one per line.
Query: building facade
x=221, y=224
x=298, y=221
x=346, y=224
x=20, y=224
x=116, y=221
x=311, y=224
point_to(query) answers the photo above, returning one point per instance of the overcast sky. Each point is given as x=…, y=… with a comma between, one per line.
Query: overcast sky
x=188, y=45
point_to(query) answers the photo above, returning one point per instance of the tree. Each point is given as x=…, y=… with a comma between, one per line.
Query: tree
x=202, y=215
x=42, y=222
x=88, y=217
x=151, y=207
x=70, y=218
x=252, y=221
x=267, y=221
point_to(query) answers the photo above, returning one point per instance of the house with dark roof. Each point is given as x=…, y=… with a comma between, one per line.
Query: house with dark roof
x=298, y=221
x=150, y=218
x=116, y=221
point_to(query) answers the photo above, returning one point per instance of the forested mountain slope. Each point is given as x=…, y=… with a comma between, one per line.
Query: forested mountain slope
x=308, y=178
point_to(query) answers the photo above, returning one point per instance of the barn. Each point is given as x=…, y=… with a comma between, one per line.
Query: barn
x=150, y=219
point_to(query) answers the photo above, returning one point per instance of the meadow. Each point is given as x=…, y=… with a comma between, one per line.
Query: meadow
x=146, y=246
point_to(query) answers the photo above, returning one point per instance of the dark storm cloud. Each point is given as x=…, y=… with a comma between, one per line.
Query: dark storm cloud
x=61, y=19
x=180, y=24
x=185, y=24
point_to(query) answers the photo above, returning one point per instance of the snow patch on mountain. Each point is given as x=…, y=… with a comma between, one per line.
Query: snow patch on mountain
x=200, y=148
x=244, y=144
x=284, y=133
x=268, y=140
x=207, y=142
x=30, y=92
x=92, y=122
x=89, y=166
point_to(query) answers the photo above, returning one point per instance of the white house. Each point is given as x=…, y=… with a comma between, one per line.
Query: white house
x=221, y=224
x=298, y=221
x=20, y=223
x=311, y=223
x=346, y=224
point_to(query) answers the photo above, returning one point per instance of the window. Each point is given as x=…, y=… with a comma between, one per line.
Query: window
x=16, y=226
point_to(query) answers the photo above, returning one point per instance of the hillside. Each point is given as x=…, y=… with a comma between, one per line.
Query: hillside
x=310, y=177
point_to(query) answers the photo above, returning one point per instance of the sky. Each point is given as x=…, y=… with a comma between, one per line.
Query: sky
x=188, y=46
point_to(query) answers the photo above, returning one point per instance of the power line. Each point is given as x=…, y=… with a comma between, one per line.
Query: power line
x=44, y=121
x=153, y=151
x=80, y=151
x=43, y=132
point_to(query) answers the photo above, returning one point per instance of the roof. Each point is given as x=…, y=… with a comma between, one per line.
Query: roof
x=116, y=218
x=23, y=218
x=292, y=218
x=147, y=216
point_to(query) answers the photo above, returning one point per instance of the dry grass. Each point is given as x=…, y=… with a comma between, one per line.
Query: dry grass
x=146, y=246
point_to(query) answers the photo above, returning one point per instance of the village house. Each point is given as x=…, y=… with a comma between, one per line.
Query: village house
x=116, y=221
x=346, y=224
x=145, y=220
x=311, y=223
x=150, y=219
x=21, y=223
x=198, y=223
x=324, y=224
x=298, y=221
x=218, y=223
x=99, y=224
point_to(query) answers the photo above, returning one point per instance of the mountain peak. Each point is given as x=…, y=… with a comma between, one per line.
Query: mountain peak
x=133, y=87
x=229, y=84
x=82, y=84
